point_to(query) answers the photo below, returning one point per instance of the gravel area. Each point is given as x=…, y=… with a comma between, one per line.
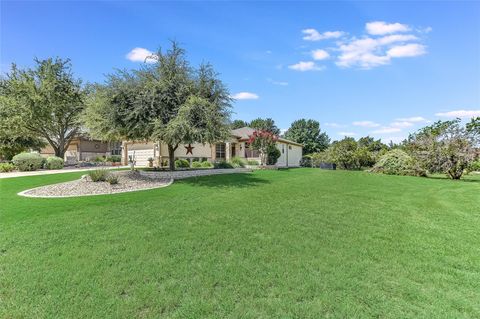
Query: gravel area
x=127, y=182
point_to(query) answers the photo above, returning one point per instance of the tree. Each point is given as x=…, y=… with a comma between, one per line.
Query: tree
x=238, y=124
x=263, y=141
x=265, y=125
x=343, y=153
x=371, y=144
x=167, y=101
x=48, y=101
x=444, y=146
x=307, y=132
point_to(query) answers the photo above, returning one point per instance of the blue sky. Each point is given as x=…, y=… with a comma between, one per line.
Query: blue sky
x=383, y=69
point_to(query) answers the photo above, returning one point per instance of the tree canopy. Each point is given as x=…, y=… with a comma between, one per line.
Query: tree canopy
x=45, y=101
x=267, y=125
x=307, y=132
x=238, y=124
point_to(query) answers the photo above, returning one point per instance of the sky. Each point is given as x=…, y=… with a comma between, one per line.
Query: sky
x=382, y=69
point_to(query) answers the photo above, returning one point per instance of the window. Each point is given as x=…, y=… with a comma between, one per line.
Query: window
x=220, y=150
x=283, y=148
x=116, y=148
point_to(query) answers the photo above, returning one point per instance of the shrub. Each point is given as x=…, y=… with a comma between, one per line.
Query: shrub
x=99, y=159
x=54, y=162
x=112, y=179
x=207, y=164
x=273, y=153
x=196, y=164
x=182, y=163
x=222, y=164
x=237, y=162
x=6, y=167
x=252, y=162
x=114, y=159
x=397, y=162
x=306, y=161
x=28, y=161
x=99, y=175
x=474, y=166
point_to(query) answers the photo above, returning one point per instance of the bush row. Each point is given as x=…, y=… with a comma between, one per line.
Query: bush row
x=30, y=162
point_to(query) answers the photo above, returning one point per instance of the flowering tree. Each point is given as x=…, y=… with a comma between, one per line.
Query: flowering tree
x=262, y=141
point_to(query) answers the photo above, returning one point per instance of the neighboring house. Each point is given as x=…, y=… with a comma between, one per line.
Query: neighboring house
x=83, y=148
x=237, y=145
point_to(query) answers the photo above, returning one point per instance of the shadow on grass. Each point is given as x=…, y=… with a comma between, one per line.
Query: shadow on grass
x=239, y=180
x=465, y=178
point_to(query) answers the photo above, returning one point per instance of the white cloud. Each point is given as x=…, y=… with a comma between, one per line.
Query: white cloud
x=305, y=66
x=281, y=83
x=347, y=133
x=140, y=55
x=401, y=124
x=245, y=96
x=381, y=27
x=407, y=50
x=366, y=124
x=335, y=125
x=320, y=54
x=460, y=113
x=413, y=119
x=387, y=129
x=314, y=35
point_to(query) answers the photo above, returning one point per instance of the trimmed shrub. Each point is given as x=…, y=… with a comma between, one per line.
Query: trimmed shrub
x=222, y=164
x=99, y=159
x=207, y=164
x=114, y=159
x=237, y=162
x=252, y=162
x=99, y=175
x=6, y=167
x=112, y=179
x=196, y=164
x=182, y=163
x=273, y=153
x=28, y=161
x=54, y=162
x=397, y=162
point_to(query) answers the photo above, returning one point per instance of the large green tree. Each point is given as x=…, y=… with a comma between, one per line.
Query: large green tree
x=47, y=101
x=238, y=124
x=168, y=101
x=307, y=132
x=267, y=124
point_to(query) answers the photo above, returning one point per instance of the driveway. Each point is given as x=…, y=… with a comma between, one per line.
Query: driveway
x=57, y=171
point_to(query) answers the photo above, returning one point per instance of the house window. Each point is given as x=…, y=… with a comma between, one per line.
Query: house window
x=116, y=148
x=220, y=150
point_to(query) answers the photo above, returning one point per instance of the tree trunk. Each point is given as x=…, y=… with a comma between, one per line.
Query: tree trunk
x=171, y=156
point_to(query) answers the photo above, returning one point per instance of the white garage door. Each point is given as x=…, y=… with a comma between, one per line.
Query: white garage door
x=141, y=156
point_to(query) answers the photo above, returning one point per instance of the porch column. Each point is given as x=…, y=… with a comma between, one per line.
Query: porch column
x=228, y=151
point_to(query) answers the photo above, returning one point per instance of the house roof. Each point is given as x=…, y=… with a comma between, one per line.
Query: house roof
x=244, y=133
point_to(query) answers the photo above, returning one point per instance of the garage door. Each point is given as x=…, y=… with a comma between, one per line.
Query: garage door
x=141, y=156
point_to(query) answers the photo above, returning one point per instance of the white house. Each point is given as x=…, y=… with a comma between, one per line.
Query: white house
x=237, y=145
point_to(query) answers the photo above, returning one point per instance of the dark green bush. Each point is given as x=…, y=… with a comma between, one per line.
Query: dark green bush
x=222, y=164
x=237, y=162
x=397, y=162
x=114, y=159
x=99, y=175
x=6, y=167
x=28, y=161
x=54, y=162
x=207, y=164
x=182, y=163
x=273, y=153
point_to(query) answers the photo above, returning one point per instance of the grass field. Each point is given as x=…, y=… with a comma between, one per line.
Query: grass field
x=300, y=243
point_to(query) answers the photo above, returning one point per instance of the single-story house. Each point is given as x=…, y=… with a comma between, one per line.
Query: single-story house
x=237, y=145
x=82, y=148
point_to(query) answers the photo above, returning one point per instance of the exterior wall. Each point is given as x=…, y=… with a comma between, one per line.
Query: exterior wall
x=80, y=150
x=290, y=155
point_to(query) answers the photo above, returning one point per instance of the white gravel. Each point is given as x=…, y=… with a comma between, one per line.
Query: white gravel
x=127, y=182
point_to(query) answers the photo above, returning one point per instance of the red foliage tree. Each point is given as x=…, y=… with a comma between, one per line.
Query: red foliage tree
x=261, y=141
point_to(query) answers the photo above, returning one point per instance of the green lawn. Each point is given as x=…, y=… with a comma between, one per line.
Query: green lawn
x=300, y=243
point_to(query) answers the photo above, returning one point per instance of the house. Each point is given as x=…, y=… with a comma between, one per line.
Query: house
x=83, y=148
x=237, y=145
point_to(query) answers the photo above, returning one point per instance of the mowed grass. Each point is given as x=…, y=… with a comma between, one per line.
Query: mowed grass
x=300, y=243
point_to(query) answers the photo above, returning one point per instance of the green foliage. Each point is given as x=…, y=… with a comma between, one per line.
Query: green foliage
x=343, y=153
x=267, y=125
x=238, y=124
x=112, y=179
x=54, y=162
x=196, y=164
x=237, y=162
x=47, y=101
x=99, y=159
x=273, y=153
x=398, y=162
x=474, y=166
x=307, y=132
x=99, y=175
x=222, y=164
x=182, y=163
x=207, y=164
x=252, y=162
x=28, y=161
x=264, y=142
x=6, y=167
x=114, y=159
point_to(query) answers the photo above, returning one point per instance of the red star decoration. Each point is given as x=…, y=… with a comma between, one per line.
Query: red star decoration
x=189, y=148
